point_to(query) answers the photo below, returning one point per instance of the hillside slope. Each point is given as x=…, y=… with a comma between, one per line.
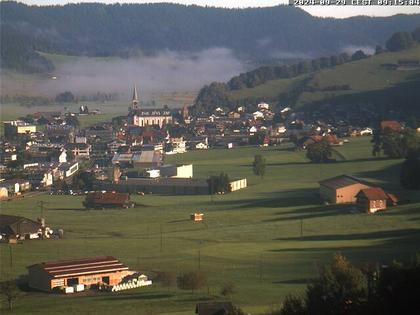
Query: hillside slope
x=378, y=81
x=124, y=29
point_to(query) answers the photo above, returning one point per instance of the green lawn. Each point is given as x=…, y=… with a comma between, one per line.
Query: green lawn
x=251, y=238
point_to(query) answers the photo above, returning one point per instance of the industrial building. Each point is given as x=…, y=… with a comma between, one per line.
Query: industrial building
x=17, y=127
x=88, y=271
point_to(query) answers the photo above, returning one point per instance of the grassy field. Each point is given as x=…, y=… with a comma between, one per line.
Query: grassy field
x=251, y=238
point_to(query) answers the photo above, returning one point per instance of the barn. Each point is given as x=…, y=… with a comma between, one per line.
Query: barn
x=46, y=276
x=341, y=189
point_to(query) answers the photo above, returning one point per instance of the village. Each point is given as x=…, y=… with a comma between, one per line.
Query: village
x=114, y=164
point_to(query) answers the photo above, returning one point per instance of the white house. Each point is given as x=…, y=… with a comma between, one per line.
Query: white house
x=366, y=132
x=258, y=114
x=201, y=146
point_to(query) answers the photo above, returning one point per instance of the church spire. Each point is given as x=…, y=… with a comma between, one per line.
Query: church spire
x=135, y=100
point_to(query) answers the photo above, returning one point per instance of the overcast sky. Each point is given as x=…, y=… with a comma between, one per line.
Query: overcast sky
x=338, y=12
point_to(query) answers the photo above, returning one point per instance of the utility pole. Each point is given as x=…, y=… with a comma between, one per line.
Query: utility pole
x=161, y=238
x=301, y=228
x=199, y=254
x=11, y=256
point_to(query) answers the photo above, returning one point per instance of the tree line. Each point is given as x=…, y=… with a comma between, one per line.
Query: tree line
x=217, y=94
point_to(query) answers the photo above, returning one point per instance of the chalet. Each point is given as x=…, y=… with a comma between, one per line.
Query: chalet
x=47, y=276
x=214, y=308
x=372, y=199
x=234, y=115
x=108, y=200
x=341, y=189
x=15, y=227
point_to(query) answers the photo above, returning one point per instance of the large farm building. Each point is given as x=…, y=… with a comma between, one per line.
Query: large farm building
x=89, y=271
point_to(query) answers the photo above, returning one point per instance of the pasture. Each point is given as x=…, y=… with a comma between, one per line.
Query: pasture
x=268, y=239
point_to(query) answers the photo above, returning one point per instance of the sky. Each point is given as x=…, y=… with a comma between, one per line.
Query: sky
x=331, y=11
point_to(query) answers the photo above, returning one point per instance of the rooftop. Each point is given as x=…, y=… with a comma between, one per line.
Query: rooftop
x=84, y=266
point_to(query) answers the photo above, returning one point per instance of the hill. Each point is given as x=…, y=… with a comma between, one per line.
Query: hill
x=257, y=34
x=379, y=80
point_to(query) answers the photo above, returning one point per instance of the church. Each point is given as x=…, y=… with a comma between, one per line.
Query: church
x=148, y=117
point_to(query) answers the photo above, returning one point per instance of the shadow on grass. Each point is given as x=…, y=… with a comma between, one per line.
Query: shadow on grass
x=361, y=236
x=292, y=281
x=394, y=245
x=139, y=296
x=297, y=198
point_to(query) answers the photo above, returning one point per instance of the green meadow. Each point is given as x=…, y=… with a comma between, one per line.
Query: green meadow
x=267, y=239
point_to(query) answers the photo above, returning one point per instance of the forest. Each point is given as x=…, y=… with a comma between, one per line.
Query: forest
x=256, y=34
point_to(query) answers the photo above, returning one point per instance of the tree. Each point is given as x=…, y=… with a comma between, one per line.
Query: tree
x=319, y=152
x=65, y=97
x=219, y=184
x=10, y=291
x=227, y=289
x=410, y=171
x=293, y=305
x=340, y=289
x=378, y=50
x=193, y=280
x=72, y=120
x=259, y=165
x=358, y=55
x=400, y=41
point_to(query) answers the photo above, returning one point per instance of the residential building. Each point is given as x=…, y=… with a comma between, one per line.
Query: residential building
x=372, y=199
x=15, y=227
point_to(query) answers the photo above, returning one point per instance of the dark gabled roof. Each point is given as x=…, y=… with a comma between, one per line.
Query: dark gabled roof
x=214, y=308
x=107, y=198
x=340, y=181
x=78, y=267
x=374, y=193
x=13, y=225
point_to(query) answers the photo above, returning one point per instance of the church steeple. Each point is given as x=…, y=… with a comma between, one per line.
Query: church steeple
x=135, y=100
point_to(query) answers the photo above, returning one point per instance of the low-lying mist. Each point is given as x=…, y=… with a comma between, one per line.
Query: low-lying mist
x=166, y=71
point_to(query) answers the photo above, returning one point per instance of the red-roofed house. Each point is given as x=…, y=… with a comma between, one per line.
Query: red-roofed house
x=372, y=199
x=391, y=124
x=88, y=271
